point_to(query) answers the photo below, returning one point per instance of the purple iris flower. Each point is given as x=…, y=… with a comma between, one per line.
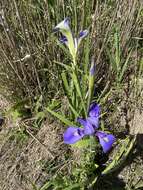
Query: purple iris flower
x=90, y=126
x=82, y=35
x=73, y=134
x=64, y=25
x=68, y=37
x=106, y=140
x=63, y=40
x=94, y=113
x=77, y=41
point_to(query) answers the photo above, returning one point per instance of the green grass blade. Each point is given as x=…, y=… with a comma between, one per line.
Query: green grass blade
x=78, y=90
x=60, y=117
x=117, y=52
x=76, y=114
x=124, y=67
x=140, y=67
x=86, y=62
x=91, y=85
x=67, y=67
x=46, y=186
x=112, y=60
x=65, y=84
x=120, y=157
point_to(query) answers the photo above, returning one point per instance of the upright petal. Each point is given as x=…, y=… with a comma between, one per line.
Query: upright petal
x=64, y=25
x=94, y=110
x=106, y=140
x=72, y=135
x=94, y=121
x=83, y=34
x=88, y=128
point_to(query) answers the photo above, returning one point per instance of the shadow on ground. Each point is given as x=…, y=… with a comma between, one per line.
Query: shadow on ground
x=129, y=175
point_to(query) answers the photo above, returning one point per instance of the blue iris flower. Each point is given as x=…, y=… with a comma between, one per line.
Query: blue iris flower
x=90, y=126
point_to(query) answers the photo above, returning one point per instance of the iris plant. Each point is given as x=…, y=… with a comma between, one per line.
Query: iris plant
x=67, y=38
x=90, y=127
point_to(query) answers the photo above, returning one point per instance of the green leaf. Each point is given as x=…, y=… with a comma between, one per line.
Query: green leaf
x=68, y=93
x=52, y=2
x=111, y=59
x=117, y=47
x=124, y=68
x=91, y=86
x=67, y=67
x=75, y=186
x=60, y=117
x=76, y=114
x=82, y=143
x=85, y=68
x=140, y=67
x=38, y=104
x=120, y=156
x=78, y=90
x=46, y=186
x=54, y=104
x=65, y=83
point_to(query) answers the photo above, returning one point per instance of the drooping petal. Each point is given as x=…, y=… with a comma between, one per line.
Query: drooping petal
x=64, y=25
x=106, y=140
x=94, y=110
x=72, y=135
x=88, y=128
x=63, y=40
x=94, y=121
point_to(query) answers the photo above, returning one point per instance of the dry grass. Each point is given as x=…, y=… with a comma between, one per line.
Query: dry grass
x=27, y=162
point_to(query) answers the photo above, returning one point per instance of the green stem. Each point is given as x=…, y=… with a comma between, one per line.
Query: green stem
x=77, y=84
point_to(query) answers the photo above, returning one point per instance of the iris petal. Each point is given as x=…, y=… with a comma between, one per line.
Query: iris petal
x=94, y=110
x=67, y=21
x=106, y=140
x=88, y=128
x=63, y=40
x=94, y=121
x=63, y=25
x=72, y=135
x=83, y=34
